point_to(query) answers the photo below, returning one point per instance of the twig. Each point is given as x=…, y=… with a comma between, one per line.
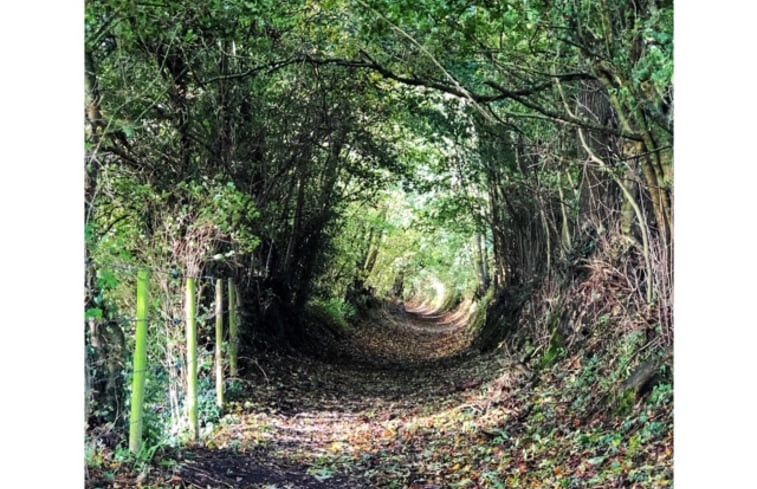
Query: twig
x=255, y=361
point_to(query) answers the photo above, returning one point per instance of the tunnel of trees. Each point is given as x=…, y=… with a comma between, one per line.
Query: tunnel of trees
x=338, y=159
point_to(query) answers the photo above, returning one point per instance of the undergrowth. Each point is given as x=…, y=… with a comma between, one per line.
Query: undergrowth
x=335, y=311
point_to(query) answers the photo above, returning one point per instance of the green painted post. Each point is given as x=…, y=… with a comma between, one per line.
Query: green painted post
x=140, y=364
x=191, y=312
x=233, y=338
x=219, y=343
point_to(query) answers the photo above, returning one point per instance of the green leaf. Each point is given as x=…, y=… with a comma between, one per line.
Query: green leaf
x=596, y=460
x=107, y=279
x=93, y=313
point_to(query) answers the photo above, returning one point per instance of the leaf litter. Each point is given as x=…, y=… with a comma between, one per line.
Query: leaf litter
x=408, y=405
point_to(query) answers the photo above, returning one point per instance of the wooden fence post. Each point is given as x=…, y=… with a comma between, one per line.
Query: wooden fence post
x=219, y=343
x=191, y=329
x=140, y=365
x=233, y=338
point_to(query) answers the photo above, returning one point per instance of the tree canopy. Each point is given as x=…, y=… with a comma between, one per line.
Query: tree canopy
x=323, y=154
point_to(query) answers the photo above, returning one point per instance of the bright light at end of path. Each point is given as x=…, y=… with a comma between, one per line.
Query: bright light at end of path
x=440, y=292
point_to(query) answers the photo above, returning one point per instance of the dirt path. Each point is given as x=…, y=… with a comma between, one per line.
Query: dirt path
x=302, y=417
